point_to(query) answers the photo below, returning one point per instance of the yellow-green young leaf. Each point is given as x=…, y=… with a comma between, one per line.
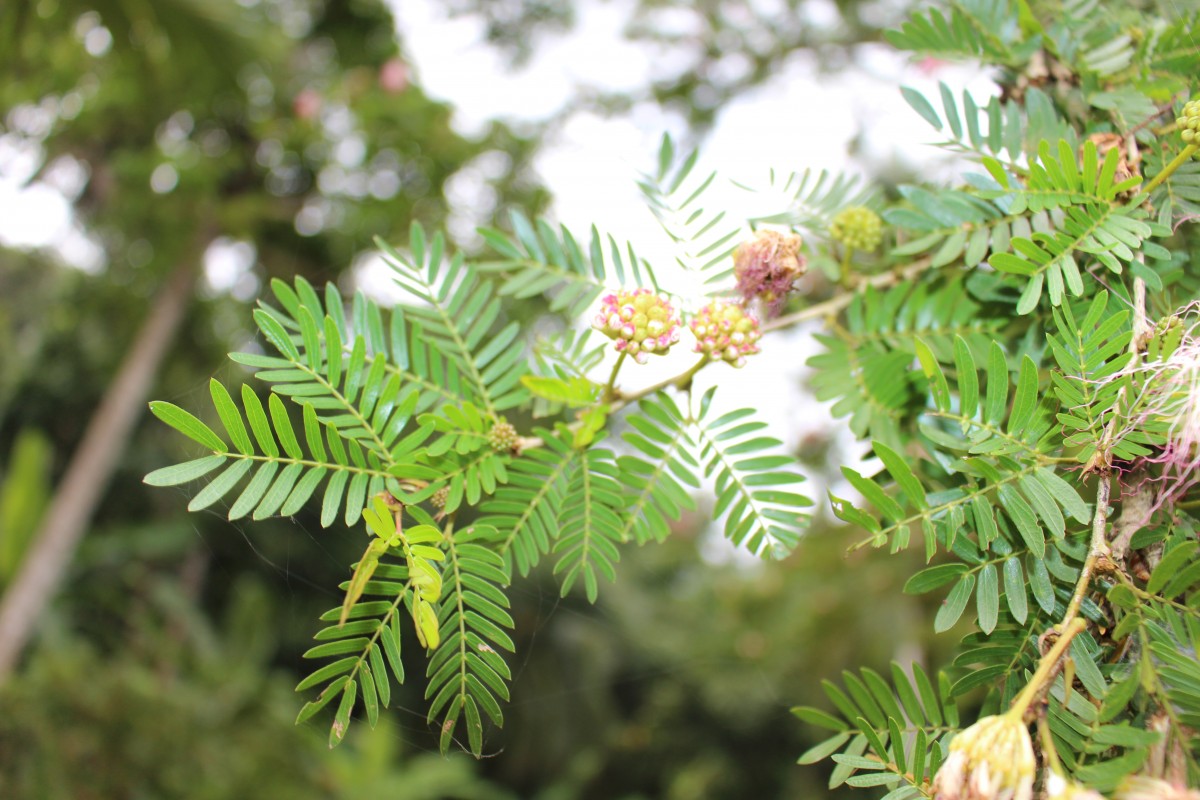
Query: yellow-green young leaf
x=995, y=170
x=426, y=622
x=362, y=574
x=574, y=393
x=425, y=579
x=592, y=423
x=379, y=520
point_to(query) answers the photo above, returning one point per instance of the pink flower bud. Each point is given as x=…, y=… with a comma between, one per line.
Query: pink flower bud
x=726, y=331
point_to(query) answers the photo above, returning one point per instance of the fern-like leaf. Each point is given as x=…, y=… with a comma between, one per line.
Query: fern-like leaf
x=753, y=481
x=972, y=29
x=467, y=673
x=663, y=460
x=280, y=481
x=538, y=260
x=704, y=238
x=525, y=511
x=457, y=315
x=893, y=734
x=365, y=649
x=589, y=523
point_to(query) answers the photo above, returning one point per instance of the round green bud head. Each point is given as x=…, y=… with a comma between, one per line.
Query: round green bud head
x=857, y=227
x=502, y=436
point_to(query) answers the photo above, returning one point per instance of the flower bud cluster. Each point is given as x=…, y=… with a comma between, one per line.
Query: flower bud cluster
x=1189, y=122
x=502, y=436
x=726, y=331
x=438, y=498
x=639, y=321
x=991, y=760
x=857, y=227
x=766, y=267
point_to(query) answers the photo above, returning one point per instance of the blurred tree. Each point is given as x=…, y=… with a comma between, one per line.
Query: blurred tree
x=177, y=127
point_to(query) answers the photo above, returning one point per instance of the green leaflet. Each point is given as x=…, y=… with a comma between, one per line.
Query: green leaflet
x=278, y=482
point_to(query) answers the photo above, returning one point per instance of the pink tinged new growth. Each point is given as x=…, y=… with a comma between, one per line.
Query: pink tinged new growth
x=639, y=322
x=1170, y=397
x=726, y=331
x=767, y=266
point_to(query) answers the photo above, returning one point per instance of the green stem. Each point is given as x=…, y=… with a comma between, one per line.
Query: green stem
x=844, y=280
x=1175, y=164
x=610, y=388
x=684, y=381
x=843, y=299
x=1048, y=749
x=1046, y=669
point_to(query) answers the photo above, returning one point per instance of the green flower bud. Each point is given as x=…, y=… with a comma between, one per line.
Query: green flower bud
x=857, y=227
x=502, y=436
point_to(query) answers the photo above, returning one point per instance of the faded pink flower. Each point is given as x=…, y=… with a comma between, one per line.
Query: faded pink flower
x=767, y=266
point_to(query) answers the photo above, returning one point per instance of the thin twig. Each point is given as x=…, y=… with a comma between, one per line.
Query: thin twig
x=834, y=304
x=1097, y=550
x=843, y=299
